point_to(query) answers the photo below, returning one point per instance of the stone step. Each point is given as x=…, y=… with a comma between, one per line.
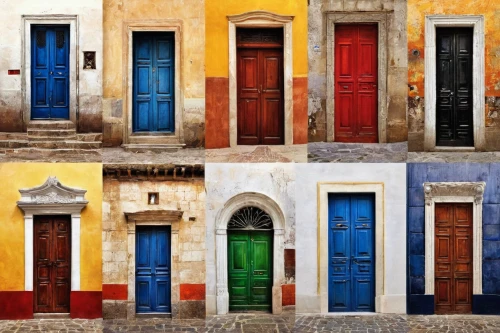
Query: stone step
x=27, y=152
x=89, y=137
x=51, y=124
x=68, y=144
x=37, y=132
x=13, y=136
x=13, y=143
x=155, y=148
x=53, y=138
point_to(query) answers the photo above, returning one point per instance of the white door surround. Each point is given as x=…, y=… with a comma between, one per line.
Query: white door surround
x=262, y=19
x=369, y=17
x=170, y=218
x=27, y=22
x=478, y=87
x=323, y=190
x=165, y=25
x=268, y=205
x=52, y=198
x=455, y=192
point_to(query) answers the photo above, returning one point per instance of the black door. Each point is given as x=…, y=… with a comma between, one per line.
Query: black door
x=454, y=87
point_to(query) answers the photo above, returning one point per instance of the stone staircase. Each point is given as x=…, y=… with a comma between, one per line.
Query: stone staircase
x=49, y=138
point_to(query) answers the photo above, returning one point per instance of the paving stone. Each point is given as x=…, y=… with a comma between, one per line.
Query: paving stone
x=182, y=156
x=333, y=152
x=258, y=154
x=453, y=157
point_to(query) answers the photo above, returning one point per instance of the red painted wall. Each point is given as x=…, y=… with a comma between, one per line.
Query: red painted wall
x=288, y=292
x=192, y=292
x=16, y=305
x=86, y=304
x=118, y=292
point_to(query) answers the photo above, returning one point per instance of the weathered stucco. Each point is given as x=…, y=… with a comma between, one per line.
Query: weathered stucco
x=417, y=10
x=89, y=38
x=191, y=16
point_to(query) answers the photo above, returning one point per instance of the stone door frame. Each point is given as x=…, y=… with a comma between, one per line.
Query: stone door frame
x=162, y=218
x=268, y=205
x=52, y=198
x=166, y=25
x=369, y=17
x=69, y=20
x=323, y=189
x=262, y=19
x=454, y=192
x=478, y=86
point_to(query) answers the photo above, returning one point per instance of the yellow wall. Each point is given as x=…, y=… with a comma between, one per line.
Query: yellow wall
x=14, y=176
x=217, y=46
x=417, y=9
x=191, y=12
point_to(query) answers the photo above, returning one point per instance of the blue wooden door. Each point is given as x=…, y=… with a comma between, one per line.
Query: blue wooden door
x=153, y=99
x=49, y=72
x=351, y=280
x=152, y=288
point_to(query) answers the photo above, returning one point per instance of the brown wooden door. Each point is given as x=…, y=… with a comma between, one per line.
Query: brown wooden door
x=453, y=258
x=260, y=96
x=52, y=268
x=356, y=79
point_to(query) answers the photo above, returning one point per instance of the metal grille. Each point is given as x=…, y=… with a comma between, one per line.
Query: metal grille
x=60, y=39
x=41, y=36
x=250, y=218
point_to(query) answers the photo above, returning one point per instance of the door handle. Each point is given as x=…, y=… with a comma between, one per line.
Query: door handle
x=340, y=225
x=259, y=90
x=451, y=93
x=154, y=69
x=51, y=73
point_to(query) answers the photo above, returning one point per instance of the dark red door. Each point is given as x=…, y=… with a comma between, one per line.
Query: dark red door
x=453, y=258
x=260, y=89
x=52, y=268
x=356, y=78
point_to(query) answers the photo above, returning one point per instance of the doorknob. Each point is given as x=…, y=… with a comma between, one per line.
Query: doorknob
x=51, y=73
x=451, y=94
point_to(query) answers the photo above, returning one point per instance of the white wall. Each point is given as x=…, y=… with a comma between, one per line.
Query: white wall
x=394, y=178
x=224, y=181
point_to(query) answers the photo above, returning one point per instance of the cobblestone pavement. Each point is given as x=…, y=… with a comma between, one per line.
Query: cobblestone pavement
x=331, y=152
x=258, y=154
x=182, y=156
x=268, y=323
x=453, y=157
x=36, y=157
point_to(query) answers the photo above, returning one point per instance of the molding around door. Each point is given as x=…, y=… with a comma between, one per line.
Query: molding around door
x=52, y=198
x=478, y=88
x=323, y=189
x=369, y=17
x=455, y=192
x=261, y=19
x=268, y=205
x=170, y=218
x=166, y=25
x=27, y=22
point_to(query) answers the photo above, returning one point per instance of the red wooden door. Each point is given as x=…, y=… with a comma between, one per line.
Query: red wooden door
x=52, y=268
x=453, y=258
x=260, y=96
x=356, y=78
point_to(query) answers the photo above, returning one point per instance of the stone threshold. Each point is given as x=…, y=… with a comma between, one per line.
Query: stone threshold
x=153, y=315
x=51, y=316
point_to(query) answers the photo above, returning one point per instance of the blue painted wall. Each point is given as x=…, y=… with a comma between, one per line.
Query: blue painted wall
x=418, y=173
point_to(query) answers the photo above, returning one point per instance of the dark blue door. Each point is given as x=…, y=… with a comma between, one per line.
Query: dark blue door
x=153, y=105
x=49, y=72
x=351, y=280
x=152, y=251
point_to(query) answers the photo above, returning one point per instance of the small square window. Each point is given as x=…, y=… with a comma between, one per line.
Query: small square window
x=153, y=198
x=89, y=60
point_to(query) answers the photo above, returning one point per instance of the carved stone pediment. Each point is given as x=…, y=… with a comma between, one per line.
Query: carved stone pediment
x=154, y=216
x=259, y=15
x=454, y=189
x=52, y=192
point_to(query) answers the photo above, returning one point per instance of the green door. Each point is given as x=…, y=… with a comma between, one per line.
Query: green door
x=250, y=270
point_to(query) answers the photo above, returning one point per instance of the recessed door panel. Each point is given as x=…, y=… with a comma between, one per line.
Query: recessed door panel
x=52, y=268
x=50, y=72
x=454, y=87
x=351, y=285
x=453, y=258
x=356, y=80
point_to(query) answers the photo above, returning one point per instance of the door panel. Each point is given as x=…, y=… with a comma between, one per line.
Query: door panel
x=50, y=72
x=153, y=288
x=356, y=79
x=250, y=270
x=52, y=268
x=454, y=87
x=453, y=258
x=351, y=252
x=260, y=96
x=153, y=91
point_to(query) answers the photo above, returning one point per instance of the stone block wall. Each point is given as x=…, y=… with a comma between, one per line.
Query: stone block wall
x=132, y=196
x=419, y=173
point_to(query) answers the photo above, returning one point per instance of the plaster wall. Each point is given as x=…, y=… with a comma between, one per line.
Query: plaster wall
x=191, y=14
x=224, y=181
x=89, y=39
x=397, y=64
x=393, y=297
